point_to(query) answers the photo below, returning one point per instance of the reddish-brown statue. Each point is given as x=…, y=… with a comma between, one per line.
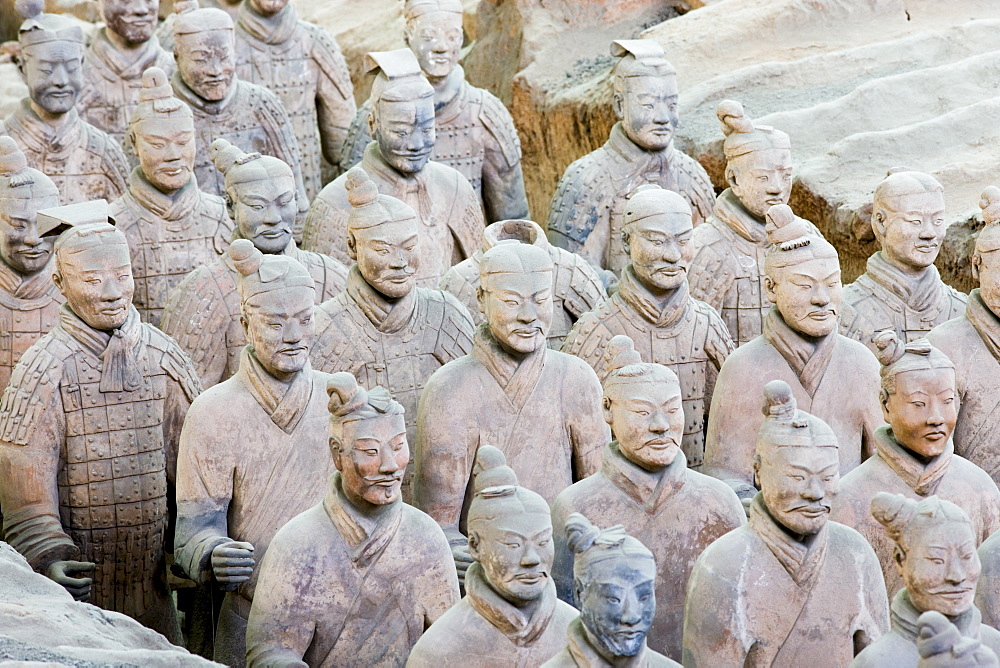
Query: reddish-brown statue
x=84, y=162
x=398, y=161
x=914, y=453
x=644, y=484
x=832, y=376
x=653, y=307
x=356, y=579
x=88, y=433
x=253, y=451
x=172, y=226
x=576, y=285
x=510, y=615
x=790, y=588
x=540, y=407
x=934, y=552
x=586, y=212
x=203, y=311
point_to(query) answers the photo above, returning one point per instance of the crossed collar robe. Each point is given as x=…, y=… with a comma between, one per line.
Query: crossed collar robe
x=580, y=653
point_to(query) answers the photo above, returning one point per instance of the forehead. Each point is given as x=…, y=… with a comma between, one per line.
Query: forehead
x=657, y=390
x=624, y=571
x=393, y=232
x=526, y=524
x=381, y=428
x=527, y=284
x=208, y=39
x=654, y=86
x=164, y=127
x=916, y=203
x=925, y=380
x=818, y=268
x=268, y=189
x=439, y=20
x=809, y=458
x=670, y=224
x=26, y=208
x=770, y=159
x=282, y=302
x=55, y=52
x=945, y=533
x=406, y=111
x=103, y=257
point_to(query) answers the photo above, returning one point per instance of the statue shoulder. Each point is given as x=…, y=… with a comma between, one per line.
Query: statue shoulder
x=33, y=383
x=500, y=125
x=578, y=283
x=327, y=55
x=175, y=362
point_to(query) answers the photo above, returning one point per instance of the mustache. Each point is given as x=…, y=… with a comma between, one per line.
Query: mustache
x=384, y=479
x=662, y=440
x=822, y=505
x=388, y=274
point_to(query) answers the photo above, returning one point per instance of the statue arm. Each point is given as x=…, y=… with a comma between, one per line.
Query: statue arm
x=707, y=278
x=325, y=230
x=357, y=139
x=196, y=317
x=279, y=628
x=117, y=170
x=185, y=386
x=988, y=588
x=732, y=429
x=710, y=620
x=719, y=346
x=562, y=564
x=503, y=181
x=874, y=622
x=335, y=106
x=589, y=432
x=439, y=581
x=283, y=145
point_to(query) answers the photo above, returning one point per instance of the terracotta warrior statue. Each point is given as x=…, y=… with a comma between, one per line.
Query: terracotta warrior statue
x=475, y=132
x=510, y=615
x=203, y=311
x=88, y=433
x=790, y=588
x=941, y=645
x=586, y=212
x=613, y=581
x=901, y=289
x=540, y=407
x=84, y=162
x=253, y=452
x=29, y=300
x=356, y=579
x=402, y=122
x=653, y=307
x=644, y=484
x=988, y=591
x=383, y=328
x=576, y=285
x=302, y=64
x=728, y=266
x=934, y=552
x=172, y=226
x=226, y=107
x=914, y=454
x=972, y=342
x=114, y=62
x=836, y=378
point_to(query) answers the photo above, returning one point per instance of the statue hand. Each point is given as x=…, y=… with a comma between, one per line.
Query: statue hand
x=232, y=563
x=61, y=572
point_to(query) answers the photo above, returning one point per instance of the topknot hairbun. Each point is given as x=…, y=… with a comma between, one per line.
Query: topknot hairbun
x=733, y=118
x=155, y=85
x=580, y=533
x=245, y=256
x=185, y=6
x=894, y=512
x=989, y=202
x=889, y=347
x=620, y=353
x=29, y=9
x=345, y=394
x=779, y=402
x=784, y=229
x=224, y=155
x=12, y=159
x=361, y=190
x=491, y=470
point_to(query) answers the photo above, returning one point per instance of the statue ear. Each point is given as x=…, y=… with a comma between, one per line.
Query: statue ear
x=481, y=299
x=883, y=397
x=899, y=557
x=335, y=453
x=732, y=173
x=878, y=224
x=352, y=246
x=606, y=404
x=977, y=260
x=627, y=242
x=371, y=120
x=618, y=104
x=756, y=471
x=769, y=289
x=245, y=324
x=474, y=545
x=57, y=278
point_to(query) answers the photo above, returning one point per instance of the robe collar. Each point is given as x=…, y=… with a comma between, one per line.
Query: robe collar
x=176, y=208
x=649, y=489
x=660, y=313
x=127, y=66
x=31, y=287
x=402, y=186
x=276, y=29
x=200, y=104
x=802, y=560
x=285, y=403
x=453, y=100
x=730, y=211
x=57, y=140
x=921, y=478
x=808, y=357
x=366, y=535
x=643, y=160
x=517, y=376
x=985, y=322
x=510, y=620
x=388, y=315
x=920, y=294
x=904, y=618
x=586, y=656
x=121, y=350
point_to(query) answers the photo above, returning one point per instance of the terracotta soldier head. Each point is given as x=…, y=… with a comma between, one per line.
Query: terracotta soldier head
x=642, y=403
x=985, y=259
x=515, y=295
x=368, y=441
x=23, y=193
x=50, y=59
x=758, y=160
x=935, y=551
x=205, y=48
x=276, y=301
x=908, y=219
x=656, y=233
x=130, y=22
x=402, y=110
x=919, y=394
x=645, y=97
x=162, y=131
x=268, y=7
x=382, y=237
x=796, y=465
x=614, y=578
x=260, y=195
x=941, y=645
x=434, y=34
x=802, y=274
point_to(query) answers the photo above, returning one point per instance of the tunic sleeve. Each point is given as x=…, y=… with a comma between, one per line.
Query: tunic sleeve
x=335, y=106
x=588, y=430
x=710, y=620
x=729, y=442
x=503, y=181
x=438, y=582
x=873, y=622
x=196, y=318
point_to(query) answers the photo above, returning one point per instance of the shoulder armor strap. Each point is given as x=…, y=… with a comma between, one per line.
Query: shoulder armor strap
x=330, y=275
x=177, y=365
x=698, y=191
x=328, y=56
x=196, y=316
x=585, y=290
x=454, y=338
x=343, y=344
x=357, y=140
x=112, y=157
x=578, y=205
x=498, y=122
x=35, y=379
x=707, y=280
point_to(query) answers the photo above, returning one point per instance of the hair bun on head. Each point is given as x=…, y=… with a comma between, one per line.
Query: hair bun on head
x=580, y=533
x=733, y=118
x=361, y=190
x=989, y=202
x=779, y=402
x=889, y=347
x=245, y=256
x=224, y=154
x=491, y=470
x=185, y=6
x=345, y=395
x=12, y=159
x=784, y=229
x=620, y=353
x=29, y=9
x=893, y=511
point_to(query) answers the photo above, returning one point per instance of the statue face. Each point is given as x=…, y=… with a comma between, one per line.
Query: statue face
x=648, y=421
x=912, y=231
x=516, y=554
x=923, y=410
x=436, y=41
x=941, y=568
x=618, y=604
x=761, y=179
x=133, y=20
x=988, y=271
x=388, y=256
x=373, y=467
x=647, y=108
x=518, y=308
x=279, y=326
x=21, y=248
x=405, y=133
x=808, y=294
x=268, y=7
x=661, y=251
x=264, y=212
x=799, y=485
x=54, y=75
x=97, y=284
x=166, y=150
x=207, y=62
